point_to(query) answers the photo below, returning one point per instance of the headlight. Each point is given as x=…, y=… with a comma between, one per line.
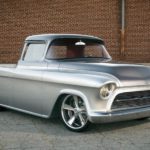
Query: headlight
x=107, y=90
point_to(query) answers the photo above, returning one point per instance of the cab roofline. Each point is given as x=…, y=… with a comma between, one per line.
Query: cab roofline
x=49, y=37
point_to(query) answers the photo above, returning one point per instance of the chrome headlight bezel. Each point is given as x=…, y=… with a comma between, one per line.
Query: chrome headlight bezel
x=107, y=90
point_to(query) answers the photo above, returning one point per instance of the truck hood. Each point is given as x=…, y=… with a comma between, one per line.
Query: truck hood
x=127, y=74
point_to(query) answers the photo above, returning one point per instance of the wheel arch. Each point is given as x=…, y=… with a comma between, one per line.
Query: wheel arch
x=63, y=93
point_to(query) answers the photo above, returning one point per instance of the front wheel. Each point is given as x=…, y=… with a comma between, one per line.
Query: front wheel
x=73, y=113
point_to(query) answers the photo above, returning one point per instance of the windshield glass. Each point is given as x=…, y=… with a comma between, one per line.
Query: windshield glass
x=76, y=48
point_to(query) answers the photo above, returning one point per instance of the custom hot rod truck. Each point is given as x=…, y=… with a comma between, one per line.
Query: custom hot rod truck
x=73, y=76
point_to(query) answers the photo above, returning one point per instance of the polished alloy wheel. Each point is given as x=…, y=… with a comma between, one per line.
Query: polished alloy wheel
x=73, y=113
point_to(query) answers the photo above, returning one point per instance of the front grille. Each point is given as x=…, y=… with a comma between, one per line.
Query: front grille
x=132, y=99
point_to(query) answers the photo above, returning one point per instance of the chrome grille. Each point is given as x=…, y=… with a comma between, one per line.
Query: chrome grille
x=132, y=99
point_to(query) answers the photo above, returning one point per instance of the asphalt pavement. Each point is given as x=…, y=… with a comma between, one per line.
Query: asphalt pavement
x=20, y=131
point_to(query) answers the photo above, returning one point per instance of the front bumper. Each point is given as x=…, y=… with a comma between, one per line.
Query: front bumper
x=122, y=115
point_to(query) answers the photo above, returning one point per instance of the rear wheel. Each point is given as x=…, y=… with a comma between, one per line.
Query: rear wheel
x=145, y=118
x=2, y=109
x=73, y=113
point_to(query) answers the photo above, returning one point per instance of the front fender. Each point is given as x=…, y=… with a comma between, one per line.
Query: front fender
x=94, y=80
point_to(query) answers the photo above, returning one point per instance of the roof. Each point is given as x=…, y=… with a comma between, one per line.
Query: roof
x=47, y=37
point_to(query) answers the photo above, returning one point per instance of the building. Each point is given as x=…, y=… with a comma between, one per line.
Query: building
x=20, y=18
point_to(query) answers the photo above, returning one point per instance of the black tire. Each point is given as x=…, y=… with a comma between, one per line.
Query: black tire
x=2, y=109
x=73, y=113
x=145, y=118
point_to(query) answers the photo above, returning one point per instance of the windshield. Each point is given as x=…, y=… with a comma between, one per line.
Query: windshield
x=76, y=48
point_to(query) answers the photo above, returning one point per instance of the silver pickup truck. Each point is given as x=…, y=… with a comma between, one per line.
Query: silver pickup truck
x=74, y=77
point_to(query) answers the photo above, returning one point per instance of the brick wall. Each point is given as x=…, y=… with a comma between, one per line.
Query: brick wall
x=138, y=30
x=20, y=18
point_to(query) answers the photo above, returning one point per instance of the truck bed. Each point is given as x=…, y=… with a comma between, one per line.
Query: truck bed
x=8, y=65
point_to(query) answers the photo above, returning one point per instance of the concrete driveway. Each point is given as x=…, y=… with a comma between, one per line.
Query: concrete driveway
x=24, y=132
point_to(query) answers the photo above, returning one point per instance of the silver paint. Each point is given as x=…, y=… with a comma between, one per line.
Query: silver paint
x=34, y=87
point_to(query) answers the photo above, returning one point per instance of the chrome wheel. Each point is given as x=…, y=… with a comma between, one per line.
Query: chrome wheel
x=73, y=112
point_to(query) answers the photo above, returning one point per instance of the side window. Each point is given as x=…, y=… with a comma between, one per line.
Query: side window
x=34, y=52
